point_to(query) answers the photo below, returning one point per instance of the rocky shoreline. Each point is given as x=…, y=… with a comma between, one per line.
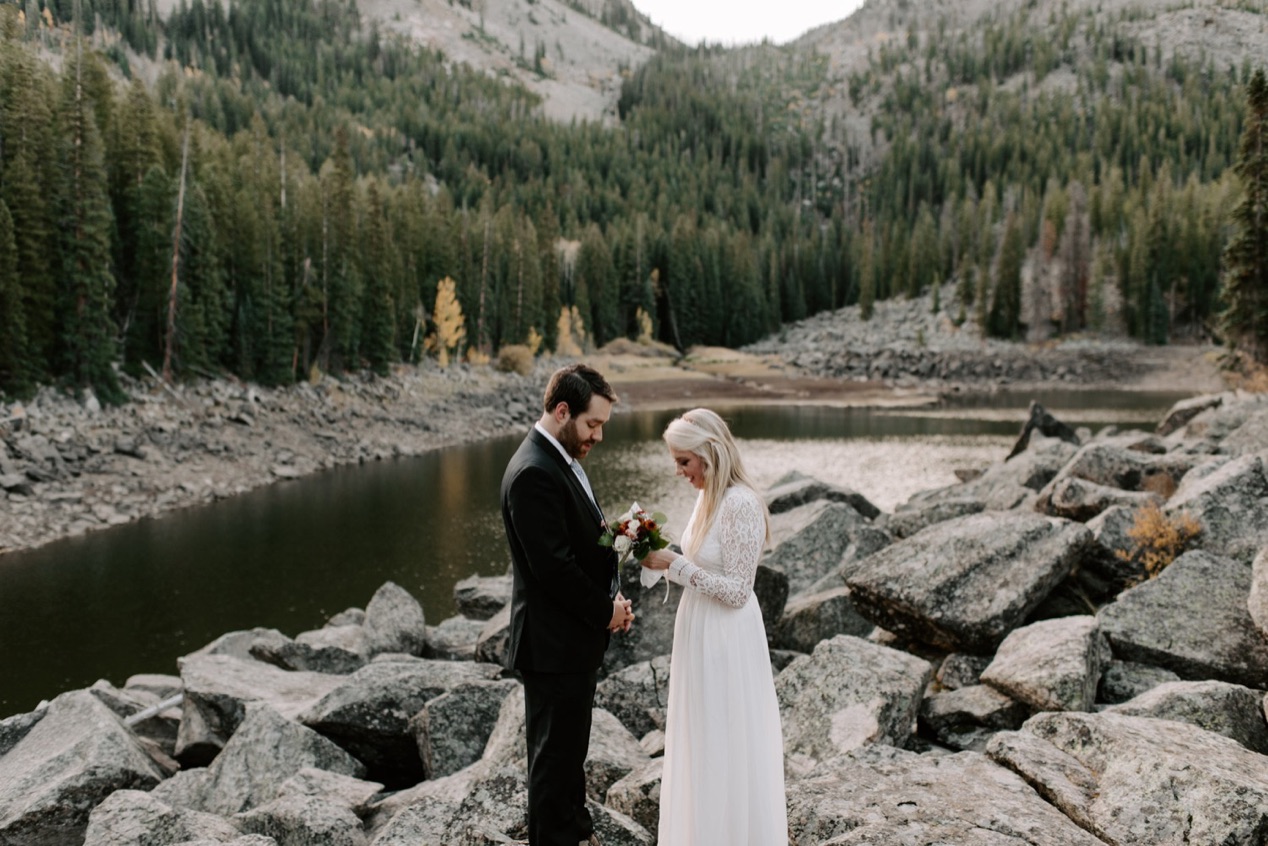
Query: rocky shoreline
x=999, y=661
x=69, y=466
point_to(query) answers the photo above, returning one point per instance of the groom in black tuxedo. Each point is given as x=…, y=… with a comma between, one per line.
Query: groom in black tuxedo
x=564, y=598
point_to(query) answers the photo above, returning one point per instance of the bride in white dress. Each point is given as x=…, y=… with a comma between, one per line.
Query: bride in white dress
x=723, y=782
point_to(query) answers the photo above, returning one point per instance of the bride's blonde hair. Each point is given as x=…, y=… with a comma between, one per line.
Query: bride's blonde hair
x=705, y=434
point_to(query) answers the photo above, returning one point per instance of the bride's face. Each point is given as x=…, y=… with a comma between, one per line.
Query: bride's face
x=689, y=466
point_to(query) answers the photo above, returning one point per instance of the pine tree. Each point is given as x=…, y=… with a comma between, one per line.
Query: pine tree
x=379, y=274
x=86, y=283
x=1245, y=283
x=1005, y=314
x=14, y=368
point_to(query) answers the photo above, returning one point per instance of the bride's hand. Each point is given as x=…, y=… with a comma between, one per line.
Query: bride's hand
x=660, y=559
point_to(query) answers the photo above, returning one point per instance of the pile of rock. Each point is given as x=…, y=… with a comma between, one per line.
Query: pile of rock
x=70, y=466
x=991, y=663
x=930, y=341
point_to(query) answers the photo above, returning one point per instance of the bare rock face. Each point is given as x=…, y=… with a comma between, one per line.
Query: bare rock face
x=1192, y=620
x=494, y=642
x=336, y=650
x=1052, y=665
x=1231, y=503
x=613, y=753
x=1257, y=601
x=1179, y=415
x=637, y=795
x=480, y=597
x=75, y=756
x=303, y=820
x=352, y=793
x=637, y=695
x=1228, y=709
x=137, y=818
x=966, y=718
x=1136, y=779
x=964, y=584
x=879, y=794
x=815, y=540
x=394, y=621
x=1124, y=680
x=369, y=713
x=1079, y=499
x=906, y=522
x=218, y=688
x=262, y=755
x=800, y=491
x=1250, y=437
x=454, y=639
x=846, y=694
x=811, y=618
x=452, y=730
x=959, y=669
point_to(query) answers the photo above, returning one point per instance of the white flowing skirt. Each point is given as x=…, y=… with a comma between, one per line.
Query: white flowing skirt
x=723, y=782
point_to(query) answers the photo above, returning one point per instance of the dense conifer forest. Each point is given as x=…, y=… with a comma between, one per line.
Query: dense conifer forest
x=294, y=184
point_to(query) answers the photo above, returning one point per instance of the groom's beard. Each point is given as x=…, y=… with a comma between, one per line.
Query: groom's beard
x=571, y=441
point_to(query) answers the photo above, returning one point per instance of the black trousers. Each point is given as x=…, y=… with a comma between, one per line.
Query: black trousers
x=558, y=709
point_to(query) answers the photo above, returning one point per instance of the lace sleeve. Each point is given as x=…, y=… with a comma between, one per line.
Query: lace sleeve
x=742, y=532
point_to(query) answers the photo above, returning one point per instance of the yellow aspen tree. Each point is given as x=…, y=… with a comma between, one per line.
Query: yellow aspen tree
x=451, y=330
x=644, y=321
x=534, y=342
x=566, y=343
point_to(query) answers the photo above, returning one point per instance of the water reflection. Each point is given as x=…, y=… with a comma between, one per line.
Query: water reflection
x=134, y=598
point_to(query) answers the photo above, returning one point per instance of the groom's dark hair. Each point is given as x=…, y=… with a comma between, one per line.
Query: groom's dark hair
x=575, y=385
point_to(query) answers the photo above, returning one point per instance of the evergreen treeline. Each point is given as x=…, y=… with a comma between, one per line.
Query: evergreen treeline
x=327, y=176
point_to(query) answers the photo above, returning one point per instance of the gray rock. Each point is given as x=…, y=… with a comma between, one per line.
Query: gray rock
x=612, y=754
x=394, y=621
x=846, y=694
x=1191, y=619
x=798, y=492
x=1116, y=565
x=637, y=795
x=770, y=586
x=494, y=643
x=350, y=638
x=1077, y=499
x=1179, y=415
x=1249, y=438
x=1052, y=665
x=280, y=651
x=1257, y=600
x=244, y=840
x=369, y=713
x=507, y=746
x=905, y=523
x=879, y=795
x=1231, y=503
x=819, y=616
x=637, y=695
x=613, y=828
x=653, y=743
x=497, y=805
x=1124, y=680
x=959, y=669
x=137, y=818
x=303, y=821
x=234, y=644
x=18, y=726
x=1134, y=780
x=162, y=686
x=480, y=597
x=452, y=730
x=352, y=793
x=454, y=639
x=217, y=689
x=966, y=583
x=1041, y=420
x=1228, y=709
x=68, y=762
x=653, y=631
x=348, y=617
x=966, y=718
x=815, y=539
x=265, y=751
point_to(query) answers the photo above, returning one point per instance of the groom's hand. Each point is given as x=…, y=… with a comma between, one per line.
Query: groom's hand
x=622, y=615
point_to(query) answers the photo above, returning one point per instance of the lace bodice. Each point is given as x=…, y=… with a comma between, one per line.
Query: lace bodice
x=726, y=562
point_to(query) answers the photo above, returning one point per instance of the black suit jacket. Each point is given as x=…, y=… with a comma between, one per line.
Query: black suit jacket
x=560, y=597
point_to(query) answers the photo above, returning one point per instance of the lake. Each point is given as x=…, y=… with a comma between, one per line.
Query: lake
x=133, y=598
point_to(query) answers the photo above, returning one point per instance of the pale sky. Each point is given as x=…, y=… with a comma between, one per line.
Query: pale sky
x=743, y=21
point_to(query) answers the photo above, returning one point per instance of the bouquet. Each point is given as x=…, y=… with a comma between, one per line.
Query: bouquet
x=635, y=534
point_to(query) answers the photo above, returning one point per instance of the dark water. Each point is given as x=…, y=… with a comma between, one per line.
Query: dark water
x=134, y=598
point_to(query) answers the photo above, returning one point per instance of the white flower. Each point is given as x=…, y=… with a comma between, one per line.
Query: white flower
x=634, y=509
x=631, y=531
x=622, y=544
